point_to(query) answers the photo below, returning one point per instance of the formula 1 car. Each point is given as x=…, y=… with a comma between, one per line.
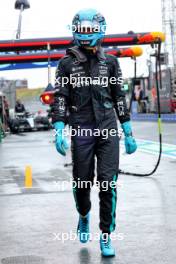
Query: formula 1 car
x=26, y=122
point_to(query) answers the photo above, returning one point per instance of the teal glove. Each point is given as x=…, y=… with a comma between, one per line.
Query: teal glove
x=130, y=143
x=61, y=143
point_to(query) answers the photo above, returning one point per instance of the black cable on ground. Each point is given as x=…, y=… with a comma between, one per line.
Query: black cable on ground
x=158, y=86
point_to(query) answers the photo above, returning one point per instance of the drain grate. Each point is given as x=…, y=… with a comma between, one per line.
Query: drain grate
x=23, y=260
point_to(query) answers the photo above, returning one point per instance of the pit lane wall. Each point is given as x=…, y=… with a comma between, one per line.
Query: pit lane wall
x=171, y=118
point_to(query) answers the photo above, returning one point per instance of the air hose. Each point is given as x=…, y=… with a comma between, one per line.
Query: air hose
x=158, y=87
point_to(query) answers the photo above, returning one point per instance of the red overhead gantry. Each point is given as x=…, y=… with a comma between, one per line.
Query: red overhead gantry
x=55, y=56
x=63, y=43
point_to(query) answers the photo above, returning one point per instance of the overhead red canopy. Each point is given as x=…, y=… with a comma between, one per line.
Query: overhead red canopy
x=54, y=56
x=63, y=43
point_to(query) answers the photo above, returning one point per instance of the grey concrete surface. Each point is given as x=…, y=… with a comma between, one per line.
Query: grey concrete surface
x=32, y=221
x=149, y=131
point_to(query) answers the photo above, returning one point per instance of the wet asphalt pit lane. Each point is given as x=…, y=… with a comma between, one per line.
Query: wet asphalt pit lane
x=20, y=135
x=23, y=260
x=10, y=167
x=173, y=161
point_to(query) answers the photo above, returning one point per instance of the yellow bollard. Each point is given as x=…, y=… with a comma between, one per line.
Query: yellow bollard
x=28, y=177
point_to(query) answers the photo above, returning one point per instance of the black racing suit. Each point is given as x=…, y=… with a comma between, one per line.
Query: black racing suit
x=91, y=105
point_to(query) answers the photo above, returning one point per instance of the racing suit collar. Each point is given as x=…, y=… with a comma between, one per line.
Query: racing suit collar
x=101, y=54
x=81, y=54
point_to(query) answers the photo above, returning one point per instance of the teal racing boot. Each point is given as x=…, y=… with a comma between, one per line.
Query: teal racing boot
x=83, y=228
x=106, y=248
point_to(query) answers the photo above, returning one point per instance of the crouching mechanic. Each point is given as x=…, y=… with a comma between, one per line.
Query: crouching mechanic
x=93, y=106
